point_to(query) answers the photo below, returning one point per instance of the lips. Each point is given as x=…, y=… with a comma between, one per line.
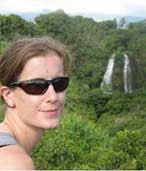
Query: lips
x=51, y=113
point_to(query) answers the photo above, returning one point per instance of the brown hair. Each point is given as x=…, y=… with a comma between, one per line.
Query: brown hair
x=15, y=57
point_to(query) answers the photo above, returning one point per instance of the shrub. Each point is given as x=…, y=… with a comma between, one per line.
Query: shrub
x=133, y=145
x=67, y=146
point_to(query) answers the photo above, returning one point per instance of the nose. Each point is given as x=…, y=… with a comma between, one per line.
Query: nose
x=50, y=94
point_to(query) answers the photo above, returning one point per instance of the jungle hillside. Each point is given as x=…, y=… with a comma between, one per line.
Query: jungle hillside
x=101, y=127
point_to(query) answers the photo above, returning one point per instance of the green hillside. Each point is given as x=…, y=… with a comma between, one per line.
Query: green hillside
x=99, y=129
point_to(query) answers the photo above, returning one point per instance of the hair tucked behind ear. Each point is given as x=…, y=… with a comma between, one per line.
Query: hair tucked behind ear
x=2, y=108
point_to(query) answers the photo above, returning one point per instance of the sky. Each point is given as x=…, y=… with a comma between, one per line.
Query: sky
x=102, y=7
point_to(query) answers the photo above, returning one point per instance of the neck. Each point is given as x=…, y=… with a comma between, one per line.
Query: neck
x=26, y=135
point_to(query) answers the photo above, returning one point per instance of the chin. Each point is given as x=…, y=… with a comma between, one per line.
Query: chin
x=52, y=124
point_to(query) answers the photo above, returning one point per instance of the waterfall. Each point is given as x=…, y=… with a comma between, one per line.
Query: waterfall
x=127, y=75
x=107, y=78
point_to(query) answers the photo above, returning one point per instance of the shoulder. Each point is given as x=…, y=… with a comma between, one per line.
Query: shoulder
x=14, y=157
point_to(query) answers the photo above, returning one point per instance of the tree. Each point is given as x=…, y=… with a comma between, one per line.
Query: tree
x=52, y=23
x=122, y=22
x=13, y=26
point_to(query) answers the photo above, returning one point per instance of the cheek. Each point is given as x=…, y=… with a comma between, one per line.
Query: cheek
x=25, y=102
x=61, y=99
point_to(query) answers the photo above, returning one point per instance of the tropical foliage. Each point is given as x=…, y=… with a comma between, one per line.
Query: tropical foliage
x=98, y=130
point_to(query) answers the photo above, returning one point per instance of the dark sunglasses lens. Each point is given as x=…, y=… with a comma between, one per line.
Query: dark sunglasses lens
x=38, y=87
x=34, y=88
x=60, y=84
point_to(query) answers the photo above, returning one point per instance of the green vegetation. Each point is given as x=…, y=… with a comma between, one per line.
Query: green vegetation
x=98, y=130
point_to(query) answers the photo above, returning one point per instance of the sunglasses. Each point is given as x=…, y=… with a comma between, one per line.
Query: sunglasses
x=40, y=86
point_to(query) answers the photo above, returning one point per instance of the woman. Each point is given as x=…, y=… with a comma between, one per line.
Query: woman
x=34, y=77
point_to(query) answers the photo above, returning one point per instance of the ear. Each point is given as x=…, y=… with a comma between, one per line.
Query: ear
x=6, y=94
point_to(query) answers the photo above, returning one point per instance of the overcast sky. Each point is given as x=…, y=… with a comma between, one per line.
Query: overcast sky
x=105, y=7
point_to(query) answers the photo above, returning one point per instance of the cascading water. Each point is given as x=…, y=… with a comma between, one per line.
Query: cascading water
x=127, y=75
x=107, y=79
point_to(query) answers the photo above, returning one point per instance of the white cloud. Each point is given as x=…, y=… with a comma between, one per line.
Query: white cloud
x=105, y=7
x=20, y=5
x=137, y=7
x=94, y=6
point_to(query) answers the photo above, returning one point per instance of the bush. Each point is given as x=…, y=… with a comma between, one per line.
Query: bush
x=133, y=145
x=67, y=146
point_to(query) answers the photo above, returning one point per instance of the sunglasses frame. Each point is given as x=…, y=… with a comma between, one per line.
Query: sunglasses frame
x=24, y=83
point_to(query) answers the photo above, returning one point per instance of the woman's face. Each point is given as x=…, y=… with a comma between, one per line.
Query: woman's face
x=41, y=111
